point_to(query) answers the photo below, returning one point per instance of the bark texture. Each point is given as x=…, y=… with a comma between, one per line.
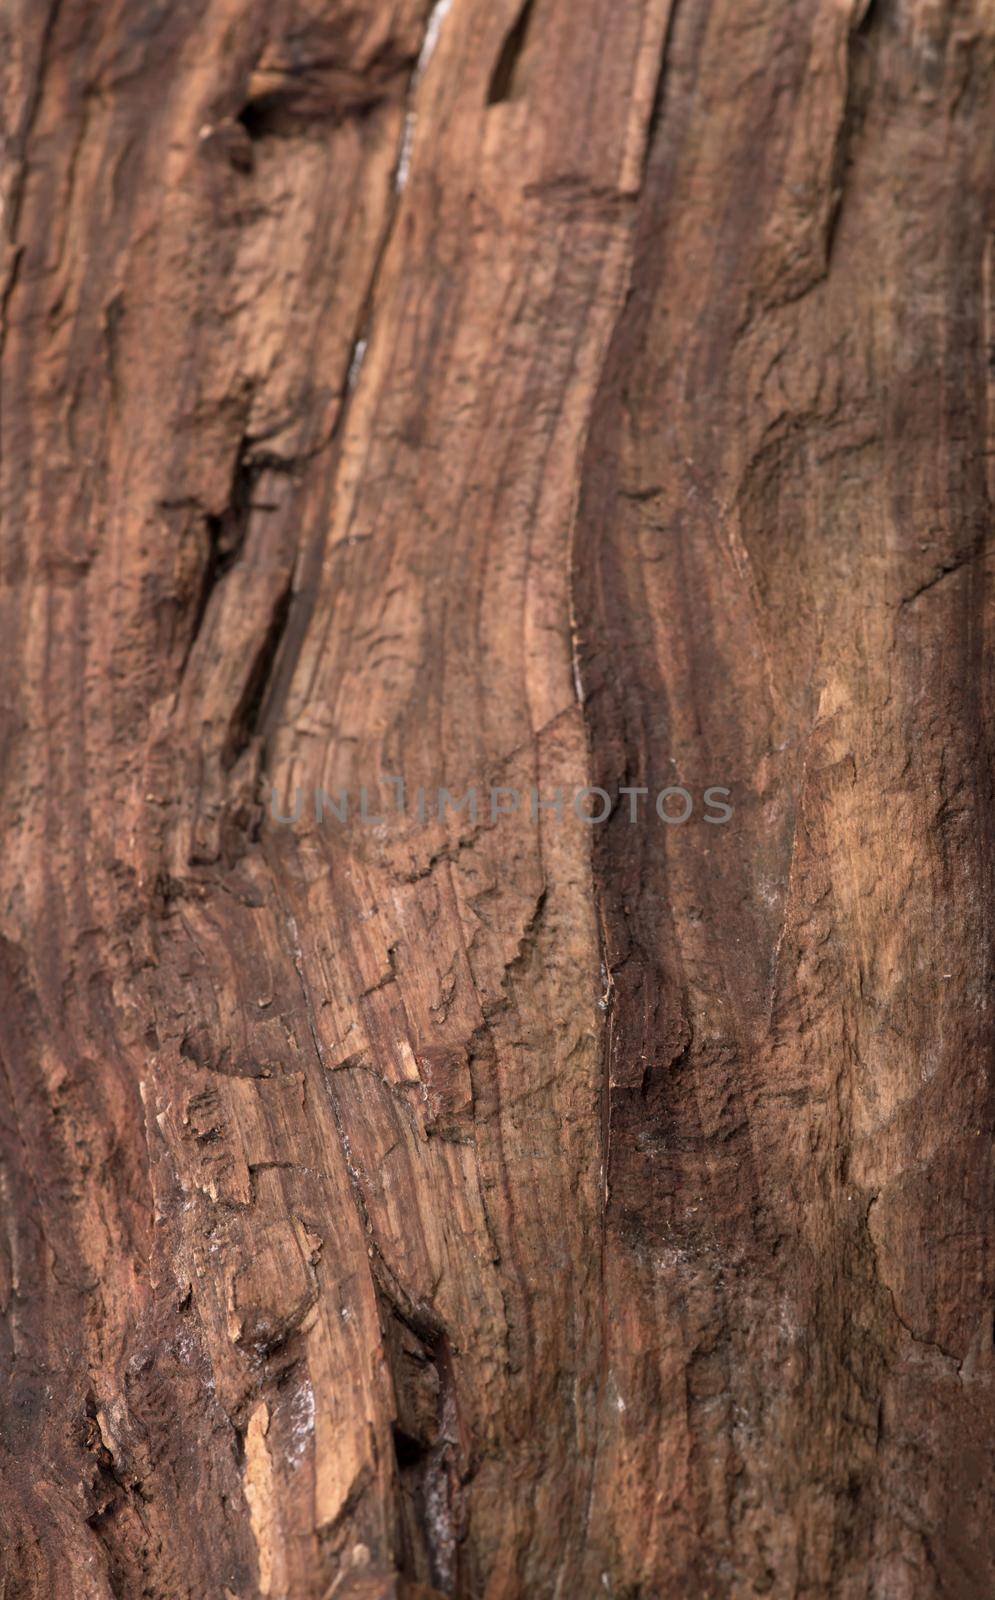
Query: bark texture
x=576, y=392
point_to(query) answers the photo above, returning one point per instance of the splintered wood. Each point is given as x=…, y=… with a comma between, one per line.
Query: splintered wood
x=583, y=407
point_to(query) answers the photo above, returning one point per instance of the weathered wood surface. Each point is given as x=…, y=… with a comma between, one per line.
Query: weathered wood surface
x=592, y=393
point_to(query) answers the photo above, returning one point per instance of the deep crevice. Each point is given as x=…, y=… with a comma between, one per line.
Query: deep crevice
x=260, y=118
x=226, y=532
x=324, y=90
x=660, y=96
x=503, y=85
x=859, y=74
x=272, y=116
x=425, y=1440
x=247, y=716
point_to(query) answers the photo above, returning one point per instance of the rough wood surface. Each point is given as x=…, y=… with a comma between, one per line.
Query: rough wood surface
x=583, y=392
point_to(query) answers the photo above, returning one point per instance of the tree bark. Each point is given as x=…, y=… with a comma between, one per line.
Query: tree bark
x=583, y=394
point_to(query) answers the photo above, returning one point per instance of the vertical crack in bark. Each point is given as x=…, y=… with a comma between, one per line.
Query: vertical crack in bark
x=614, y=745
x=226, y=531
x=425, y=1436
x=6, y=296
x=660, y=94
x=247, y=717
x=859, y=78
x=502, y=85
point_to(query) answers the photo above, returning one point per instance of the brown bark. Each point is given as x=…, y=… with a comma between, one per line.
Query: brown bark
x=589, y=392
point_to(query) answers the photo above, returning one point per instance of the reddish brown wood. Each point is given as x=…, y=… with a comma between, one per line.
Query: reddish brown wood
x=528, y=398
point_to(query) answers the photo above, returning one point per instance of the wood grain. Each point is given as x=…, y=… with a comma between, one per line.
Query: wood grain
x=521, y=398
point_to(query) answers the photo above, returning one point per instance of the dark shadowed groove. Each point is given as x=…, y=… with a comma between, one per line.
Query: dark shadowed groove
x=859, y=78
x=502, y=84
x=660, y=92
x=247, y=715
x=624, y=698
x=225, y=538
